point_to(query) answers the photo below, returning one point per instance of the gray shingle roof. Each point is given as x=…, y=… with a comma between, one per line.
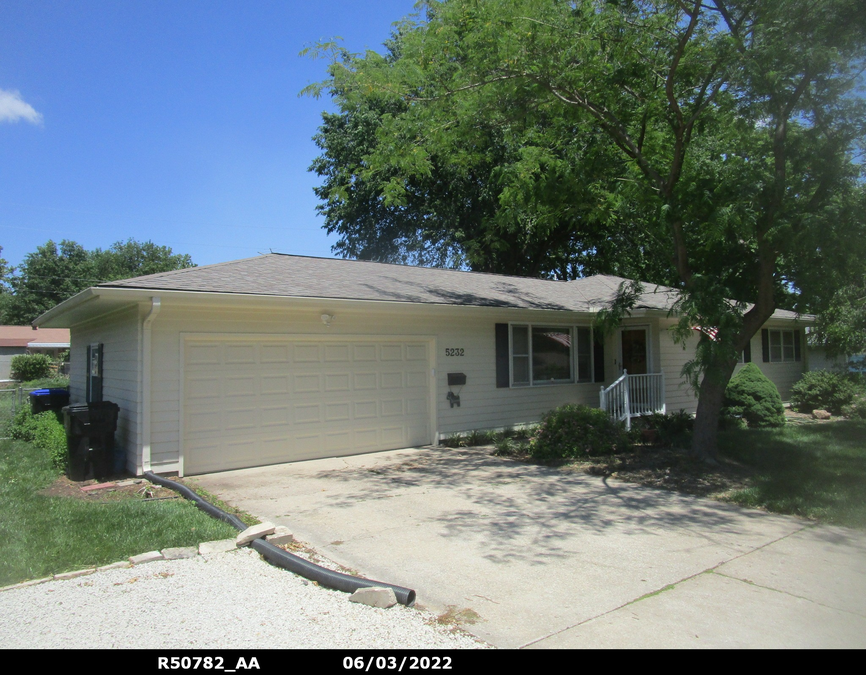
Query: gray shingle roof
x=283, y=275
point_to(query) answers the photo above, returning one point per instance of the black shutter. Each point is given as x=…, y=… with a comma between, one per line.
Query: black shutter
x=503, y=378
x=598, y=356
x=765, y=344
x=747, y=352
x=798, y=354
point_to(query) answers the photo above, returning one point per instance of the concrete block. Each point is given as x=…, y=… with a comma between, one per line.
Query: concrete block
x=374, y=596
x=123, y=564
x=32, y=582
x=76, y=573
x=254, y=532
x=180, y=552
x=150, y=556
x=280, y=536
x=219, y=546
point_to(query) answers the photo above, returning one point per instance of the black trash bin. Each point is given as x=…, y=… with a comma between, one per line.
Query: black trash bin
x=90, y=431
x=48, y=399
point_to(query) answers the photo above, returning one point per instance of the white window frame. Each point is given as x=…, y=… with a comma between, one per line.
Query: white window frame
x=781, y=332
x=572, y=356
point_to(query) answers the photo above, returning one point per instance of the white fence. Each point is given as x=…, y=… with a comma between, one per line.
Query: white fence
x=633, y=396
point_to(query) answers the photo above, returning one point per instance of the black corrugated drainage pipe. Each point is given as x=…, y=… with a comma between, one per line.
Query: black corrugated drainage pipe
x=281, y=558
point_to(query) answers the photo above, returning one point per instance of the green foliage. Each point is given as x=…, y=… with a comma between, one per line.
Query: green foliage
x=45, y=430
x=671, y=429
x=754, y=398
x=50, y=382
x=26, y=367
x=822, y=390
x=52, y=274
x=574, y=431
x=706, y=145
x=856, y=410
x=842, y=325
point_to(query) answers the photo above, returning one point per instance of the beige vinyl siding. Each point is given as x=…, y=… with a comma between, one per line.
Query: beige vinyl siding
x=118, y=332
x=483, y=406
x=678, y=395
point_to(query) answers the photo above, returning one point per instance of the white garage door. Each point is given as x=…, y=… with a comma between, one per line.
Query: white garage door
x=250, y=402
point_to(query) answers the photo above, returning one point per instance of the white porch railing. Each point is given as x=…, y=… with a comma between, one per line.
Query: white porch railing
x=633, y=396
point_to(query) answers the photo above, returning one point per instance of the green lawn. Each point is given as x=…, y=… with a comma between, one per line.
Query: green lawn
x=41, y=535
x=817, y=471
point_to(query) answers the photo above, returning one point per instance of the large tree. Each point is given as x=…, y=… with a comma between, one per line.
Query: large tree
x=733, y=124
x=53, y=273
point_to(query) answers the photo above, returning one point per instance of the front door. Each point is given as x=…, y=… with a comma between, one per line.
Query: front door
x=634, y=351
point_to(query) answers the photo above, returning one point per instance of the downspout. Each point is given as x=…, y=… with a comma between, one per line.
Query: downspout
x=146, y=377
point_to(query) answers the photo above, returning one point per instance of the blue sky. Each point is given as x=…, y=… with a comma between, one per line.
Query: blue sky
x=178, y=122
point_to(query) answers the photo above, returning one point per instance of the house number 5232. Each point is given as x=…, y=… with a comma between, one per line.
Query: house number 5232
x=453, y=351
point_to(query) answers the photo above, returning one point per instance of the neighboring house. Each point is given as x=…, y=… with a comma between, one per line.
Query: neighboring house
x=280, y=358
x=16, y=340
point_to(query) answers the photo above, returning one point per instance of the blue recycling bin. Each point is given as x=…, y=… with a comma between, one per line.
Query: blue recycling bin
x=42, y=400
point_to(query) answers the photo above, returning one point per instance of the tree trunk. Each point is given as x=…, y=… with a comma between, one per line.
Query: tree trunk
x=711, y=397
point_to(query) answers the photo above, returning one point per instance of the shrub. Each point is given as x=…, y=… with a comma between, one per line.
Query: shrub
x=856, y=410
x=824, y=390
x=577, y=431
x=752, y=397
x=30, y=367
x=45, y=430
x=672, y=429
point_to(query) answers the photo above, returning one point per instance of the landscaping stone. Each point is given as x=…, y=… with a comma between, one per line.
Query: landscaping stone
x=280, y=536
x=821, y=414
x=150, y=556
x=374, y=596
x=254, y=532
x=180, y=552
x=32, y=582
x=219, y=546
x=73, y=575
x=123, y=564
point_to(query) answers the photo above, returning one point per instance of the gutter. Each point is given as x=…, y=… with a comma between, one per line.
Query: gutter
x=146, y=380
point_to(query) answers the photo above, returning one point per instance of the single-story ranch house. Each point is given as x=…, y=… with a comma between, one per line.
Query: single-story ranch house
x=279, y=358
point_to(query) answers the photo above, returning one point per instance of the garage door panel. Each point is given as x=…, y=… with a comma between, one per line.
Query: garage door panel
x=240, y=354
x=337, y=382
x=361, y=353
x=275, y=354
x=249, y=403
x=305, y=414
x=306, y=353
x=275, y=415
x=274, y=384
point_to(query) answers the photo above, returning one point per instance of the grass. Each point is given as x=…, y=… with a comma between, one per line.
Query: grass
x=42, y=535
x=817, y=471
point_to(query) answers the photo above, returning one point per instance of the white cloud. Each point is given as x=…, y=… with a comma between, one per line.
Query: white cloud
x=14, y=108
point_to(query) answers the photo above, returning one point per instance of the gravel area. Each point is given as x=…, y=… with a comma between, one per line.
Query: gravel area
x=231, y=600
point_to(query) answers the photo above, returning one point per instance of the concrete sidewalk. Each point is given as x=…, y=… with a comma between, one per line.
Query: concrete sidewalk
x=540, y=557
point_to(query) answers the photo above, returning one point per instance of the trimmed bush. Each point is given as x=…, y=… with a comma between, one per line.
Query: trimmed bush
x=672, y=429
x=752, y=397
x=572, y=431
x=27, y=367
x=822, y=390
x=45, y=431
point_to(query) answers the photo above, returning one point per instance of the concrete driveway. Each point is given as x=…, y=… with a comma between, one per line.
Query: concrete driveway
x=539, y=557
